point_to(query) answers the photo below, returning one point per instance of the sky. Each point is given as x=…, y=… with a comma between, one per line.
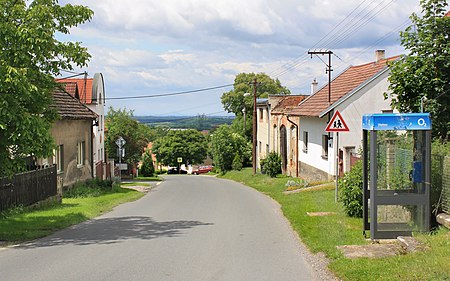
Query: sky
x=148, y=48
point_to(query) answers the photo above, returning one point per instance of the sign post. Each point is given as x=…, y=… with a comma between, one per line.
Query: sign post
x=336, y=125
x=179, y=160
x=120, y=142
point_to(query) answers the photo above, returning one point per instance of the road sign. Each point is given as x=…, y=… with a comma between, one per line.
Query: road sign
x=179, y=159
x=120, y=142
x=337, y=124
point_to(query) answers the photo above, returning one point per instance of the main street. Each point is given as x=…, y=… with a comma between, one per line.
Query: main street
x=188, y=228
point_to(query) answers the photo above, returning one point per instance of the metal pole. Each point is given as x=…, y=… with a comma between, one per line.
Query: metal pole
x=254, y=128
x=120, y=164
x=337, y=168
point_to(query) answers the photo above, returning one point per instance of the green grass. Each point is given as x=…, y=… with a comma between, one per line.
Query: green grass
x=21, y=225
x=323, y=234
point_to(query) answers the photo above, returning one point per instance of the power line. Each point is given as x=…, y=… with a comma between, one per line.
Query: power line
x=170, y=94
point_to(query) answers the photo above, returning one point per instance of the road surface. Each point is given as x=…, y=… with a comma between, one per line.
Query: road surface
x=189, y=228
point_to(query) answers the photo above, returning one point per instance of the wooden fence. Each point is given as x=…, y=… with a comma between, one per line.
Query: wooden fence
x=28, y=188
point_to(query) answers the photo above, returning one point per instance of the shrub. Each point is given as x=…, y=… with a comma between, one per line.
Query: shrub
x=237, y=162
x=89, y=188
x=147, y=168
x=272, y=164
x=351, y=191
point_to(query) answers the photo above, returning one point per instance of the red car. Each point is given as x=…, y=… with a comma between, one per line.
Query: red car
x=202, y=170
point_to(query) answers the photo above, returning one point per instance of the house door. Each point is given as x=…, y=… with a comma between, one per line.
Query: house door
x=283, y=148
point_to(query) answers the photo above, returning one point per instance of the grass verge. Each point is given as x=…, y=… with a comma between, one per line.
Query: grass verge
x=19, y=225
x=324, y=233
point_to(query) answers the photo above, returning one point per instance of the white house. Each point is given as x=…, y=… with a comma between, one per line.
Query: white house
x=356, y=91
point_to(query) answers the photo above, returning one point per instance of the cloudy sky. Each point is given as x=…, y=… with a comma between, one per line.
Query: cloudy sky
x=156, y=47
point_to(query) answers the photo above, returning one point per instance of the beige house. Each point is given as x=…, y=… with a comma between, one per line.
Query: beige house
x=91, y=92
x=73, y=135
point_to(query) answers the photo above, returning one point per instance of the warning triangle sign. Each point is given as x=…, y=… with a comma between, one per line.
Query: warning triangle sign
x=337, y=124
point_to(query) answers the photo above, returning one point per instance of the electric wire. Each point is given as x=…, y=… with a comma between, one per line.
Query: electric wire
x=170, y=94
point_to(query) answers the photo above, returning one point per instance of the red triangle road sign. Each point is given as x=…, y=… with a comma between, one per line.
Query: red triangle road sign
x=337, y=124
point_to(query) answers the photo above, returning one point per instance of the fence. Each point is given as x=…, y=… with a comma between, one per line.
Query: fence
x=445, y=199
x=28, y=188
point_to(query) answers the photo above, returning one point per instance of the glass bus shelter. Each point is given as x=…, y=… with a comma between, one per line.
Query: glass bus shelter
x=396, y=174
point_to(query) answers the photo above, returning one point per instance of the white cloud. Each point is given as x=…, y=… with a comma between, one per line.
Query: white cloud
x=150, y=46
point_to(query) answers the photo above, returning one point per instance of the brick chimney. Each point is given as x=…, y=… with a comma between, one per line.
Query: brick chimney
x=380, y=55
x=314, y=86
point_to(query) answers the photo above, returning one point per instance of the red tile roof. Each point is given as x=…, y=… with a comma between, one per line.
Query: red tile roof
x=68, y=107
x=85, y=93
x=346, y=82
x=447, y=14
x=287, y=103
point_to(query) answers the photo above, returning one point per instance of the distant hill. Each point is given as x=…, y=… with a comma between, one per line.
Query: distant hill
x=200, y=122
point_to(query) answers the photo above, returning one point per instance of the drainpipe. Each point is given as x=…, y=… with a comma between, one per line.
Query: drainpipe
x=92, y=149
x=296, y=146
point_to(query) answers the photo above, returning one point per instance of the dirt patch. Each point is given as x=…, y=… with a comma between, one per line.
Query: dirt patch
x=320, y=214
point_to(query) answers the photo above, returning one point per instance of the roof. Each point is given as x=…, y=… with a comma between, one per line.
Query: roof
x=447, y=14
x=287, y=103
x=349, y=80
x=85, y=95
x=68, y=107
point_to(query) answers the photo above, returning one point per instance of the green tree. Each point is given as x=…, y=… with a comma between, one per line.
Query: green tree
x=234, y=101
x=30, y=58
x=190, y=145
x=226, y=145
x=423, y=75
x=120, y=123
x=147, y=168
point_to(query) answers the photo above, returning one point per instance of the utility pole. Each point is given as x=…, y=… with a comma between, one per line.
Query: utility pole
x=255, y=84
x=329, y=53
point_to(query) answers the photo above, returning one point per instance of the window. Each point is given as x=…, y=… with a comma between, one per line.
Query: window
x=59, y=158
x=80, y=153
x=261, y=114
x=260, y=147
x=305, y=141
x=325, y=146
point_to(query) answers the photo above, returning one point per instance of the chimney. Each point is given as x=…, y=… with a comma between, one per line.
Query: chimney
x=379, y=55
x=314, y=86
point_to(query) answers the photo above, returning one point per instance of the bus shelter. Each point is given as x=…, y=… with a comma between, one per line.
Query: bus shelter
x=396, y=174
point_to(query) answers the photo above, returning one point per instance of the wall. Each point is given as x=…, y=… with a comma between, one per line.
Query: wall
x=312, y=164
x=263, y=133
x=69, y=133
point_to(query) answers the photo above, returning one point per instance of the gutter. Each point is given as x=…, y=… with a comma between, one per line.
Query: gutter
x=296, y=145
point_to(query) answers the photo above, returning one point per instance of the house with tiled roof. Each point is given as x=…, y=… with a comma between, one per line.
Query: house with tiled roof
x=356, y=91
x=73, y=135
x=91, y=92
x=282, y=130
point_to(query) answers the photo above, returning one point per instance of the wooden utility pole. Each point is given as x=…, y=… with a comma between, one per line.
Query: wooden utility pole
x=255, y=130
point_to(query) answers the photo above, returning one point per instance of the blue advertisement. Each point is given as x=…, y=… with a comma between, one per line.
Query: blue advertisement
x=396, y=121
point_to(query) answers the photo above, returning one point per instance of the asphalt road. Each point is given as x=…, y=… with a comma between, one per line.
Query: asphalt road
x=188, y=228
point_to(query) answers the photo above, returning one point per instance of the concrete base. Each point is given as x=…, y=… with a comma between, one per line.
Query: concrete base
x=444, y=219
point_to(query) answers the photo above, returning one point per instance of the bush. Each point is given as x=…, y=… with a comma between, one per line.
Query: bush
x=272, y=164
x=147, y=168
x=351, y=191
x=89, y=188
x=237, y=162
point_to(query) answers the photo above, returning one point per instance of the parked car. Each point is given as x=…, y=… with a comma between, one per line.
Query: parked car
x=202, y=170
x=174, y=170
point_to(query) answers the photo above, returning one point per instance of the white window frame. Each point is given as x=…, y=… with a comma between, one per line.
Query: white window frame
x=80, y=153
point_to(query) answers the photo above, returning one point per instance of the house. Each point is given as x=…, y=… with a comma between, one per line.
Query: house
x=282, y=130
x=73, y=136
x=356, y=91
x=91, y=92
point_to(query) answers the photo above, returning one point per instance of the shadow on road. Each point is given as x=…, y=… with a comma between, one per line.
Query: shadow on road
x=115, y=230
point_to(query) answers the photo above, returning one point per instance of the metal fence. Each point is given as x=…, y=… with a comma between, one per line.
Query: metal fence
x=27, y=188
x=445, y=198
